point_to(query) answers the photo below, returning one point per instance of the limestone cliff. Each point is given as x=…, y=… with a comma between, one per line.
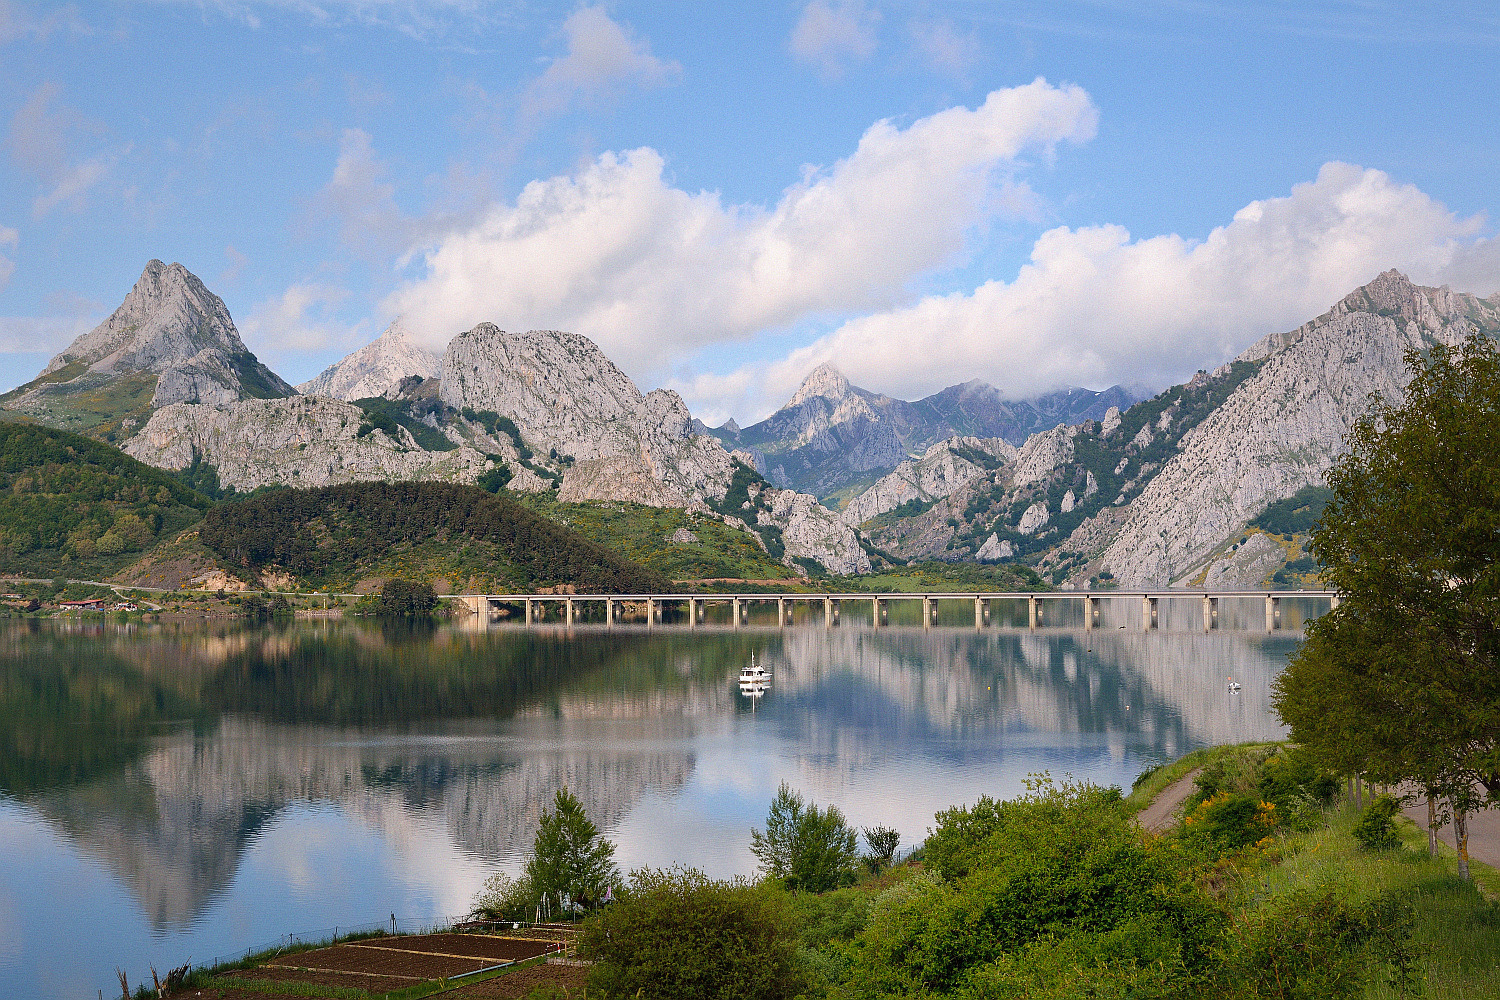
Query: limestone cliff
x=1285, y=426
x=303, y=441
x=944, y=467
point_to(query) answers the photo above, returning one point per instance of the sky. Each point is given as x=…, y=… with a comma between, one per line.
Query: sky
x=1034, y=193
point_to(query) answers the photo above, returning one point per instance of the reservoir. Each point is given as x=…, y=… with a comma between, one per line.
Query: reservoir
x=189, y=790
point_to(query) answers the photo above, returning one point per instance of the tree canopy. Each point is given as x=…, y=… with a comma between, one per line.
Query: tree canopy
x=1399, y=681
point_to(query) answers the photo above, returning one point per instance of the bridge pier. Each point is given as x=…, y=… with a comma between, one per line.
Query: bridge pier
x=874, y=612
x=927, y=605
x=1209, y=610
x=1088, y=612
x=609, y=612
x=980, y=608
x=650, y=612
x=735, y=608
x=692, y=612
x=528, y=611
x=1273, y=611
x=780, y=612
x=1148, y=613
x=1033, y=608
x=568, y=611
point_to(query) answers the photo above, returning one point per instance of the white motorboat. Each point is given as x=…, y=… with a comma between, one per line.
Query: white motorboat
x=1234, y=685
x=754, y=673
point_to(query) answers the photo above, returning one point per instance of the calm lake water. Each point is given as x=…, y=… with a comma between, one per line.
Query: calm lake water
x=181, y=791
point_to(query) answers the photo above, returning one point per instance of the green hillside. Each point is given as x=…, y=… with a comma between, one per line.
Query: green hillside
x=337, y=536
x=70, y=506
x=649, y=536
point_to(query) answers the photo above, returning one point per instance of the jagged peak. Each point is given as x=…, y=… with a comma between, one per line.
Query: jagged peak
x=824, y=380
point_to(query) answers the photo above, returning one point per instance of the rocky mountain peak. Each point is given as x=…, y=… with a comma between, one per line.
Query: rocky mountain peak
x=824, y=380
x=169, y=316
x=377, y=367
x=170, y=341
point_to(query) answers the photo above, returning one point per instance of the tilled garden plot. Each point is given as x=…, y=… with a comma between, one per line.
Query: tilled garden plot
x=383, y=959
x=564, y=980
x=366, y=981
x=487, y=946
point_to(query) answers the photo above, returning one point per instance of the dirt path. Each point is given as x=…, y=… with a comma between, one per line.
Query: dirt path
x=1484, y=831
x=1158, y=816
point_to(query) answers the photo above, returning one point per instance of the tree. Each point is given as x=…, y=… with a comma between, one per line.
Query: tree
x=1399, y=682
x=570, y=861
x=678, y=934
x=806, y=847
x=404, y=598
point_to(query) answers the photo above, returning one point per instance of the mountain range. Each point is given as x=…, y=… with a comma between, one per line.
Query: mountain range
x=1090, y=488
x=834, y=439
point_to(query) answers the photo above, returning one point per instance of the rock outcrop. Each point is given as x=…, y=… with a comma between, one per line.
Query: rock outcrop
x=170, y=341
x=303, y=441
x=375, y=368
x=945, y=467
x=1284, y=427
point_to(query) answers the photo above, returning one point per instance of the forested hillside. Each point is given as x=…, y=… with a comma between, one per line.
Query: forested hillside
x=71, y=506
x=331, y=538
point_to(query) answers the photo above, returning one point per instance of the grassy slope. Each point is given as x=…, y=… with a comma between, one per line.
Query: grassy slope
x=1456, y=928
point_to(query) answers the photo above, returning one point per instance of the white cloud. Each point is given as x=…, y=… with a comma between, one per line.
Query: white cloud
x=9, y=240
x=649, y=270
x=948, y=50
x=831, y=32
x=38, y=141
x=1094, y=306
x=300, y=319
x=41, y=334
x=602, y=55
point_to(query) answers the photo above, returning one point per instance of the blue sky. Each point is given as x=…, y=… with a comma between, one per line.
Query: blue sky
x=723, y=195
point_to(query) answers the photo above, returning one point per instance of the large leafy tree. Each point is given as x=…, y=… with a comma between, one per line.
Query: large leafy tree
x=570, y=858
x=1399, y=681
x=808, y=848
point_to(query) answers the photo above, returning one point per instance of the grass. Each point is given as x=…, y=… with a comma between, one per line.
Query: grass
x=1456, y=924
x=1456, y=930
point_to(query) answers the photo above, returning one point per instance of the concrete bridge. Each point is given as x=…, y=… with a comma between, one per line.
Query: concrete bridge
x=618, y=606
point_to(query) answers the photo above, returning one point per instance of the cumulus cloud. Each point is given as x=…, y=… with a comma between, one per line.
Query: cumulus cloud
x=602, y=55
x=38, y=142
x=649, y=270
x=300, y=319
x=830, y=33
x=9, y=240
x=1095, y=306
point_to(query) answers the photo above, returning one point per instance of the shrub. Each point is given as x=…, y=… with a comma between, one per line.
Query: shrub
x=1229, y=821
x=1311, y=946
x=882, y=841
x=678, y=934
x=1376, y=829
x=505, y=898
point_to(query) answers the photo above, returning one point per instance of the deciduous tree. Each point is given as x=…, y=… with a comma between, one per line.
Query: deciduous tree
x=1399, y=681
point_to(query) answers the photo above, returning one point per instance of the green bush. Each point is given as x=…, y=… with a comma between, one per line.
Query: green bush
x=1317, y=946
x=1376, y=829
x=1062, y=861
x=679, y=935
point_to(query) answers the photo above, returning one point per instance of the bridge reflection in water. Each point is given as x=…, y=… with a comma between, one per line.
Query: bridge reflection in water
x=1088, y=609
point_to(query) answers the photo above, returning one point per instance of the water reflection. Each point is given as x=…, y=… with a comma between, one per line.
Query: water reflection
x=161, y=759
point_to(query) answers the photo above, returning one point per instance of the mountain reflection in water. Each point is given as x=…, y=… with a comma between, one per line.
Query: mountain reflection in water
x=155, y=765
